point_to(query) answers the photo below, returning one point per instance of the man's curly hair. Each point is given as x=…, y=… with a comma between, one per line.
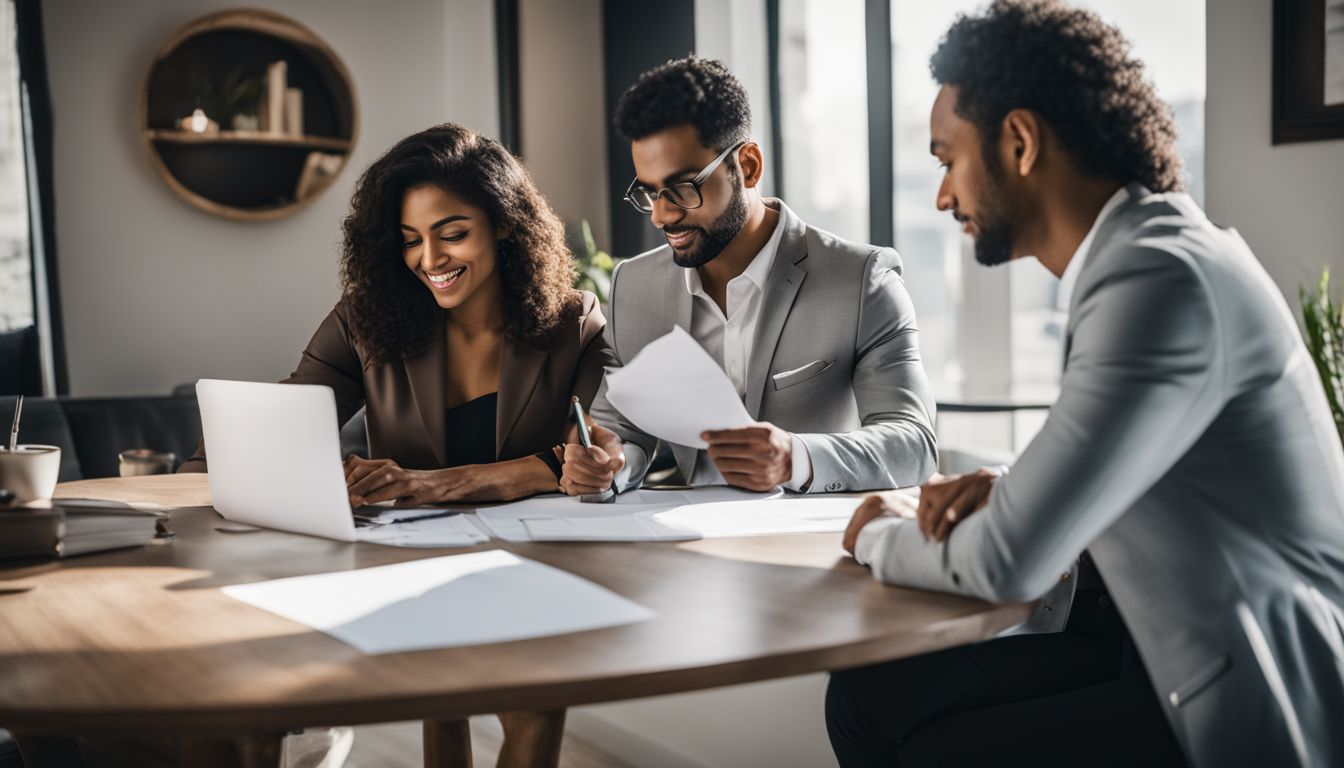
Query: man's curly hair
x=701, y=92
x=391, y=312
x=1076, y=72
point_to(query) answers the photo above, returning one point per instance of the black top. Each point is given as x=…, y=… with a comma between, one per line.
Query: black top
x=471, y=431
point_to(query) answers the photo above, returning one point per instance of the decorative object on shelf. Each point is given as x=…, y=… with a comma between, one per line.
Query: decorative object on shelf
x=235, y=99
x=197, y=122
x=294, y=111
x=273, y=119
x=270, y=114
x=1324, y=333
x=1308, y=70
x=593, y=268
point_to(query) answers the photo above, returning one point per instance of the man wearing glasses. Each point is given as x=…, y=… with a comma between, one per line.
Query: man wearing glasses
x=817, y=334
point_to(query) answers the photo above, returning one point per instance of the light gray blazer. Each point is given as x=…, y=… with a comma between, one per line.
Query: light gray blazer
x=1192, y=452
x=835, y=358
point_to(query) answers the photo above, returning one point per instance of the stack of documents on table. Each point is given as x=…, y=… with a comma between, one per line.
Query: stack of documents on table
x=422, y=528
x=440, y=602
x=674, y=390
x=74, y=527
x=629, y=517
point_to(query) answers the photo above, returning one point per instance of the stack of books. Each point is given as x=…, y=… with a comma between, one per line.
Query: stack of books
x=74, y=527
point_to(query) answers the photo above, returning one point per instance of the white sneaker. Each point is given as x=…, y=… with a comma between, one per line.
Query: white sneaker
x=317, y=748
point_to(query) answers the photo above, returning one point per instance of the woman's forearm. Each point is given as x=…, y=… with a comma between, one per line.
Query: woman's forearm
x=516, y=479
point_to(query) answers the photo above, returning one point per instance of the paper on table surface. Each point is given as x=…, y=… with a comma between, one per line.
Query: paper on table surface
x=506, y=521
x=674, y=390
x=636, y=527
x=440, y=602
x=788, y=514
x=453, y=531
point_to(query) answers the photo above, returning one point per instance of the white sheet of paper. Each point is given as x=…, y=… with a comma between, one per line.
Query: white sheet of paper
x=440, y=602
x=674, y=390
x=455, y=531
x=789, y=514
x=507, y=521
x=636, y=527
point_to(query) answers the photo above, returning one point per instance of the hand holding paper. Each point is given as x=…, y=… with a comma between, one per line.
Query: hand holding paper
x=674, y=390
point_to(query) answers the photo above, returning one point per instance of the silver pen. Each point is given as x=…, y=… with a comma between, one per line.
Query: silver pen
x=586, y=440
x=14, y=430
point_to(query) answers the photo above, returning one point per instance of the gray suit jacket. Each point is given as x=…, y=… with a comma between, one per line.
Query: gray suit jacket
x=835, y=358
x=1192, y=452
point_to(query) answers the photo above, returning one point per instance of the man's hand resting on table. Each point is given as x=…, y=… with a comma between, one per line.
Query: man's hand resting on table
x=943, y=503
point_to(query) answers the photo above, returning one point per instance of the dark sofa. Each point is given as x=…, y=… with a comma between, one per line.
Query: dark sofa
x=91, y=431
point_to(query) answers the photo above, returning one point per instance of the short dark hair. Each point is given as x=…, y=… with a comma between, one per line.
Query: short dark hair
x=701, y=92
x=1076, y=72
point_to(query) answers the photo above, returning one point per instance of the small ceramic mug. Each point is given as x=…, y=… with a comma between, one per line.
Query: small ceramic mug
x=30, y=471
x=144, y=461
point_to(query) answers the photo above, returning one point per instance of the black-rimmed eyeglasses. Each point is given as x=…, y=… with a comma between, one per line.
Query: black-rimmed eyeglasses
x=683, y=194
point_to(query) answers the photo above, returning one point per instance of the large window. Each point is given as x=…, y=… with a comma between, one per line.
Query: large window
x=16, y=278
x=824, y=113
x=985, y=333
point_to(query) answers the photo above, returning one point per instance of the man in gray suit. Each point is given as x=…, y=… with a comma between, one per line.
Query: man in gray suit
x=817, y=334
x=1190, y=452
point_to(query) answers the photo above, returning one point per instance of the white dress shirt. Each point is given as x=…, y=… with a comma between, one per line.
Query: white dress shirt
x=867, y=547
x=728, y=337
x=1075, y=266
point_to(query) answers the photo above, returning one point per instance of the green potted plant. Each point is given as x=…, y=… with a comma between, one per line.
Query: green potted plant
x=592, y=267
x=1324, y=331
x=233, y=102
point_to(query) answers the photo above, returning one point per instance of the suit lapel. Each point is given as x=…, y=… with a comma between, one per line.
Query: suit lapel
x=681, y=315
x=781, y=288
x=428, y=377
x=1119, y=218
x=519, y=372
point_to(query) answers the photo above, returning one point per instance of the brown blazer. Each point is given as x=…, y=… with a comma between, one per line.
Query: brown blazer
x=406, y=411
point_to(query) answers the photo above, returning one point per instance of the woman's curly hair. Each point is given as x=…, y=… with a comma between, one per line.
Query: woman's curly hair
x=391, y=313
x=1076, y=72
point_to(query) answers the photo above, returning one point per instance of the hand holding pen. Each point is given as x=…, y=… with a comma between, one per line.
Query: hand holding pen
x=590, y=465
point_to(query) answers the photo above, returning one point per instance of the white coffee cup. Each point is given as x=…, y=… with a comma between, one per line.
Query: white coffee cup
x=30, y=471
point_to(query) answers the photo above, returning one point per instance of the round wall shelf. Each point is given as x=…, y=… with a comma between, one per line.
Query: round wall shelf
x=248, y=114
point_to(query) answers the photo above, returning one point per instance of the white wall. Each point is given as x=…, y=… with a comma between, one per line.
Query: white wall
x=1286, y=200
x=564, y=119
x=156, y=293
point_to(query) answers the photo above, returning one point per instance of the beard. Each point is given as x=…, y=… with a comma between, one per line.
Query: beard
x=712, y=240
x=996, y=222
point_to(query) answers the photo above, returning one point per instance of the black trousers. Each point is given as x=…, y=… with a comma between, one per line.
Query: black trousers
x=1078, y=697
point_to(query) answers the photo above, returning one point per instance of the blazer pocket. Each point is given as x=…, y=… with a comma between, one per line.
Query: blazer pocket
x=786, y=379
x=1200, y=681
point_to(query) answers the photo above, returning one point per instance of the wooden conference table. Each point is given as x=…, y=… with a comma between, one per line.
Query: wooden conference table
x=141, y=644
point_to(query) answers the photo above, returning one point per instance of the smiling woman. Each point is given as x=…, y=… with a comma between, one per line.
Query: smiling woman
x=458, y=329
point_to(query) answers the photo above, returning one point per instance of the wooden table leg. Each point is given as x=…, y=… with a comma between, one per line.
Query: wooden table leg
x=447, y=743
x=531, y=739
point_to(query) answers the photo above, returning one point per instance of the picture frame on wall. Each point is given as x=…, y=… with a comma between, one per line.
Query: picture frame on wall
x=1308, y=71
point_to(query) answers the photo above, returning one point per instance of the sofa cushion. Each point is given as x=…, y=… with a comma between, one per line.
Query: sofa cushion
x=104, y=427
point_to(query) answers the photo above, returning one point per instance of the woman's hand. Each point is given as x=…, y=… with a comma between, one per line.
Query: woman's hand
x=370, y=481
x=591, y=470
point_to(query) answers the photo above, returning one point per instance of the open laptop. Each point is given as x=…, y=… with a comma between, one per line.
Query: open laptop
x=275, y=456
